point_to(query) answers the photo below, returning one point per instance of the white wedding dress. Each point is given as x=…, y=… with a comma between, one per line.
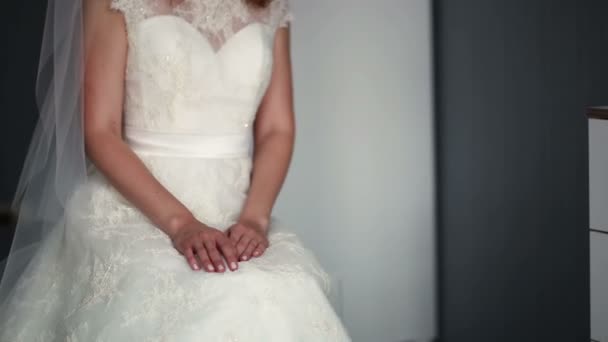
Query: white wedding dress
x=196, y=74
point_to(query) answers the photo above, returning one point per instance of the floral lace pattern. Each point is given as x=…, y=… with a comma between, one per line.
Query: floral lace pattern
x=217, y=19
x=135, y=286
x=200, y=66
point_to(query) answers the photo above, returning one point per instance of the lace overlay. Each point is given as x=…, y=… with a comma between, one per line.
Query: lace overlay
x=216, y=92
x=107, y=274
x=217, y=19
x=215, y=196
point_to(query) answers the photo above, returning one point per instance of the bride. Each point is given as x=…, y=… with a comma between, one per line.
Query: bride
x=166, y=131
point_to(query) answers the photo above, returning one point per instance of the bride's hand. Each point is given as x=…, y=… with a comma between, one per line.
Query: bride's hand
x=250, y=239
x=197, y=239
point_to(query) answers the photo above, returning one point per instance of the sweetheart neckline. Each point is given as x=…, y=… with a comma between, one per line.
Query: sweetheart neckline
x=146, y=21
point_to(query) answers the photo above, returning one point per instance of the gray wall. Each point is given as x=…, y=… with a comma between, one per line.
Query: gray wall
x=514, y=79
x=361, y=189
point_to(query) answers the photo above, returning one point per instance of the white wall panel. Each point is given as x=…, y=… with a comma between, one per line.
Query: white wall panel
x=598, y=174
x=599, y=286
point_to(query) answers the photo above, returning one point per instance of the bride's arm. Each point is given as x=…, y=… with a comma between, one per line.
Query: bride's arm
x=105, y=62
x=274, y=140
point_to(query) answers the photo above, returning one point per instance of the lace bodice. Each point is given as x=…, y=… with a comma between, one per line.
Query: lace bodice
x=217, y=19
x=198, y=66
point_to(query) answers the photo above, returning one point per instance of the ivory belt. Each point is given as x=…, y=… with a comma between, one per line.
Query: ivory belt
x=189, y=145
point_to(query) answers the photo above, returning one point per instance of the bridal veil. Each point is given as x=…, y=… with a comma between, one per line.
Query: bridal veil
x=55, y=162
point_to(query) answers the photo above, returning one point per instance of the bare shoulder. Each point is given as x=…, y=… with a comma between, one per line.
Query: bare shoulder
x=101, y=12
x=103, y=25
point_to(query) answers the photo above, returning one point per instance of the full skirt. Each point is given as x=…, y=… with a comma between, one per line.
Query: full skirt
x=121, y=279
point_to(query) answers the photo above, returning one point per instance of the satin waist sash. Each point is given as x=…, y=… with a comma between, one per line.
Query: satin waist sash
x=189, y=145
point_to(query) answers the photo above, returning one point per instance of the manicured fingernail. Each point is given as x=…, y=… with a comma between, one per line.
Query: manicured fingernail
x=220, y=267
x=210, y=267
x=255, y=253
x=233, y=265
x=244, y=257
x=195, y=266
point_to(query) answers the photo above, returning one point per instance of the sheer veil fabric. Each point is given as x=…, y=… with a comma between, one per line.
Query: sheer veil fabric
x=56, y=163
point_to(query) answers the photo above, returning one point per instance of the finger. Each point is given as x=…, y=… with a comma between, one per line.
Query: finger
x=215, y=256
x=189, y=255
x=242, y=244
x=229, y=251
x=259, y=250
x=204, y=257
x=249, y=250
x=264, y=241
